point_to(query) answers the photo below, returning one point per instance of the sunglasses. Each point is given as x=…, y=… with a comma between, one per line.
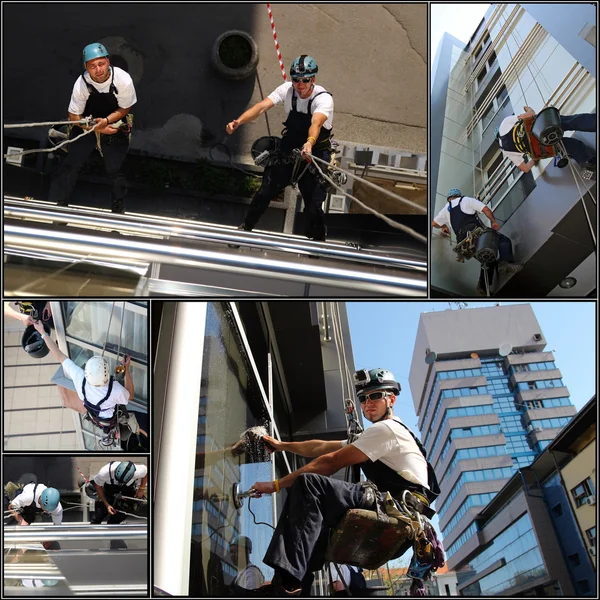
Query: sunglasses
x=301, y=79
x=373, y=396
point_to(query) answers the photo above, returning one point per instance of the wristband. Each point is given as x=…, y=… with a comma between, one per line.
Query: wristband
x=311, y=138
x=277, y=489
x=107, y=121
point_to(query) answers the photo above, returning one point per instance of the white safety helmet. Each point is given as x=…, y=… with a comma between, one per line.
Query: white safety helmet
x=96, y=371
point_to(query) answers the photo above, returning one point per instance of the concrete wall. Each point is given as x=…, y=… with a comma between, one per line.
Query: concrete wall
x=471, y=330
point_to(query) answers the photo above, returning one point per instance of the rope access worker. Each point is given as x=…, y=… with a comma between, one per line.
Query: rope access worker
x=508, y=139
x=461, y=214
x=113, y=480
x=107, y=93
x=96, y=388
x=308, y=127
x=33, y=499
x=249, y=576
x=389, y=455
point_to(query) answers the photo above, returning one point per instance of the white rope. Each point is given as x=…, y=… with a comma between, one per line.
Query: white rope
x=391, y=223
x=84, y=121
x=372, y=185
x=87, y=132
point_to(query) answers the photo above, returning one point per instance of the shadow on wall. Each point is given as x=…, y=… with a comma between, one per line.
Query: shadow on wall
x=53, y=471
x=166, y=50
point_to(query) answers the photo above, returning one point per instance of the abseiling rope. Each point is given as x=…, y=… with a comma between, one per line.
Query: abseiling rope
x=390, y=222
x=86, y=121
x=372, y=185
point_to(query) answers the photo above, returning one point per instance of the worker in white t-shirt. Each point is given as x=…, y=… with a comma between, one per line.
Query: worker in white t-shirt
x=249, y=576
x=114, y=485
x=389, y=455
x=106, y=93
x=97, y=389
x=506, y=134
x=33, y=499
x=461, y=214
x=308, y=127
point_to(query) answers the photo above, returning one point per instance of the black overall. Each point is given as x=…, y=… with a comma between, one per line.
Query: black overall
x=315, y=504
x=462, y=223
x=29, y=512
x=277, y=177
x=110, y=491
x=114, y=150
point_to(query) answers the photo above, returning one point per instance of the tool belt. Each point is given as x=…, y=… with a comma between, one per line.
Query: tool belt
x=527, y=143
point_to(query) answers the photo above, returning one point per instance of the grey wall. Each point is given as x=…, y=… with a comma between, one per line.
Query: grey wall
x=470, y=330
x=439, y=87
x=564, y=22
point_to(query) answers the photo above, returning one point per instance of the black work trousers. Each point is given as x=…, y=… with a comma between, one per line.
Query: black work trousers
x=505, y=254
x=114, y=149
x=314, y=505
x=576, y=148
x=275, y=179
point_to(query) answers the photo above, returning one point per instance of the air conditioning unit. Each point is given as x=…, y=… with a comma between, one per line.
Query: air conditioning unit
x=592, y=551
x=590, y=500
x=538, y=337
x=338, y=203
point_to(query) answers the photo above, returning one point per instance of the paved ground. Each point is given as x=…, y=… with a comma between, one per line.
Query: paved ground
x=372, y=57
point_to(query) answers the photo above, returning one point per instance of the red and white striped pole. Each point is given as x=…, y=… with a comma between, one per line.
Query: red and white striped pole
x=276, y=43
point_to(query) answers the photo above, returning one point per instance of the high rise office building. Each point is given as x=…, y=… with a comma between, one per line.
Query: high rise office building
x=489, y=399
x=534, y=55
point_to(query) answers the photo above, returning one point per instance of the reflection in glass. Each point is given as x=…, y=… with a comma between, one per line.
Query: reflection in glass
x=230, y=402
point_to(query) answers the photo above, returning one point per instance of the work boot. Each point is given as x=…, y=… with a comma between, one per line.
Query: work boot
x=480, y=290
x=507, y=267
x=118, y=206
x=242, y=227
x=118, y=545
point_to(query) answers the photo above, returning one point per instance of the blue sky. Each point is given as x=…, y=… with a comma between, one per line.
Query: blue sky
x=383, y=335
x=460, y=20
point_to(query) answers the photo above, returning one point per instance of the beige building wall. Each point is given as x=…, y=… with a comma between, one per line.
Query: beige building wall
x=577, y=470
x=34, y=418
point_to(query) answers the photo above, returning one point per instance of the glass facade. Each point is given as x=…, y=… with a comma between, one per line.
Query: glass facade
x=517, y=546
x=230, y=402
x=111, y=329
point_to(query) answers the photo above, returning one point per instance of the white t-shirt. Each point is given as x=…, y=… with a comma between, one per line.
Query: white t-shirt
x=505, y=127
x=118, y=395
x=125, y=97
x=323, y=104
x=468, y=205
x=394, y=446
x=103, y=475
x=251, y=578
x=25, y=498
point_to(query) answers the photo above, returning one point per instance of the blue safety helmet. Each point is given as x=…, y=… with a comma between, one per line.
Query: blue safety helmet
x=95, y=50
x=124, y=472
x=49, y=499
x=453, y=192
x=304, y=66
x=49, y=582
